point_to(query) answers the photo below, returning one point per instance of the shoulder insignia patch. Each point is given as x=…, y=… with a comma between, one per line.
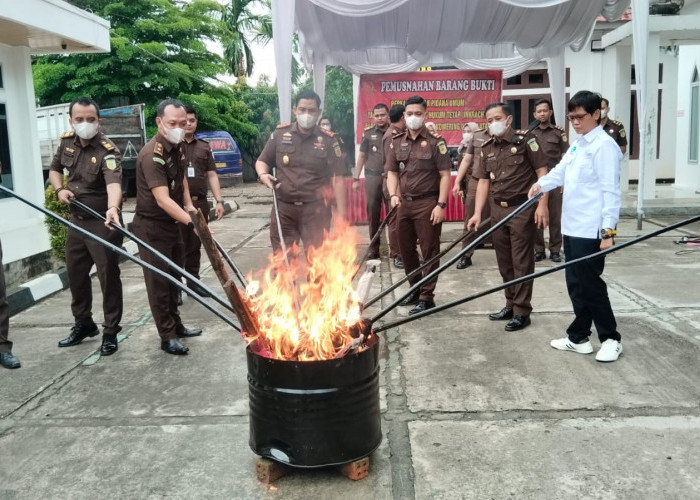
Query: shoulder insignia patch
x=111, y=162
x=564, y=137
x=156, y=159
x=107, y=146
x=336, y=149
x=66, y=135
x=282, y=125
x=442, y=147
x=533, y=145
x=622, y=132
x=158, y=149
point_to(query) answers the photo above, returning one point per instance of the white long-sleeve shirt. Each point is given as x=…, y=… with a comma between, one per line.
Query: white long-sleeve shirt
x=590, y=174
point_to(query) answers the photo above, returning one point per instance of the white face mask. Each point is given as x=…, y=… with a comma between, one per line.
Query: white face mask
x=306, y=120
x=497, y=128
x=326, y=127
x=85, y=130
x=604, y=113
x=466, y=137
x=174, y=135
x=414, y=122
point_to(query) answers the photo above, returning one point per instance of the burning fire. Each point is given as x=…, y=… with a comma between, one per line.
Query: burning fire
x=305, y=312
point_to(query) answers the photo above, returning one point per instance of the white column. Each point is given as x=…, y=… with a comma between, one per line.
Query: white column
x=283, y=28
x=556, y=67
x=650, y=126
x=619, y=61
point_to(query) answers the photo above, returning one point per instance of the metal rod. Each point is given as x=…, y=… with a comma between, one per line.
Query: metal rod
x=376, y=236
x=171, y=265
x=534, y=275
x=125, y=254
x=457, y=256
x=229, y=261
x=429, y=262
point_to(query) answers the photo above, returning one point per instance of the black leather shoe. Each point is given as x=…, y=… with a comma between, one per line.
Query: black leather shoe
x=464, y=262
x=109, y=345
x=411, y=300
x=173, y=346
x=517, y=323
x=555, y=257
x=9, y=360
x=179, y=297
x=78, y=333
x=423, y=305
x=398, y=263
x=182, y=331
x=540, y=256
x=504, y=313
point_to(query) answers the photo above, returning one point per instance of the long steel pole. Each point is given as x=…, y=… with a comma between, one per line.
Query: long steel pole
x=534, y=275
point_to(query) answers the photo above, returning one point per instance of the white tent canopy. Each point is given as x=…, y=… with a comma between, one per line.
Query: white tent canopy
x=383, y=36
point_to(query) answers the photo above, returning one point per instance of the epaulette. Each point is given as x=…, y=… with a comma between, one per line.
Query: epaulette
x=107, y=145
x=560, y=128
x=203, y=139
x=435, y=134
x=519, y=136
x=369, y=127
x=282, y=125
x=329, y=133
x=158, y=149
x=66, y=135
x=619, y=124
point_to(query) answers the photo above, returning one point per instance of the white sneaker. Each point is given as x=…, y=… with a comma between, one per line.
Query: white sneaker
x=609, y=351
x=564, y=344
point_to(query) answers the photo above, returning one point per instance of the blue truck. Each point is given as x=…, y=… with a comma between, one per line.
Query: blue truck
x=227, y=156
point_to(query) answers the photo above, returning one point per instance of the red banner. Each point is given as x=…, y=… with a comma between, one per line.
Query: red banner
x=454, y=97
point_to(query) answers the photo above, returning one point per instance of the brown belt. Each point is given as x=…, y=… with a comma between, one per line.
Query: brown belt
x=299, y=203
x=420, y=196
x=512, y=202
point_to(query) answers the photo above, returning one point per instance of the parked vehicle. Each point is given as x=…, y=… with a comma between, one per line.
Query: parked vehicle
x=227, y=156
x=124, y=125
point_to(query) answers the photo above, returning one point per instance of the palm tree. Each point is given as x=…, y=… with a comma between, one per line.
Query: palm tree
x=241, y=24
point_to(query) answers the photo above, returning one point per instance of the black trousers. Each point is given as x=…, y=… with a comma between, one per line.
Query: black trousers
x=5, y=344
x=588, y=292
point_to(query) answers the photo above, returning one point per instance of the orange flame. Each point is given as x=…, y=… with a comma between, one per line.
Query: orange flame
x=306, y=311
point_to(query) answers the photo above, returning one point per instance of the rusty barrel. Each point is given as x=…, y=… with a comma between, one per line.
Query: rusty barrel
x=315, y=413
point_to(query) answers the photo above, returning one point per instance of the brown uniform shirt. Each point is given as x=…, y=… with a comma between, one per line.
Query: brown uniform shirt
x=478, y=139
x=510, y=162
x=90, y=168
x=418, y=162
x=159, y=163
x=553, y=141
x=303, y=163
x=616, y=130
x=198, y=156
x=371, y=146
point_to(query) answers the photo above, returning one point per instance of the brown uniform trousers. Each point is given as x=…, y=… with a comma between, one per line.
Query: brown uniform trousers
x=371, y=146
x=192, y=246
x=81, y=254
x=554, y=143
x=300, y=221
x=5, y=344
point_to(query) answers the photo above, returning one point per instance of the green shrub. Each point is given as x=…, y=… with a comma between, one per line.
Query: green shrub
x=57, y=231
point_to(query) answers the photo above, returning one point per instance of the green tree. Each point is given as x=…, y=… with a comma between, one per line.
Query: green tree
x=242, y=28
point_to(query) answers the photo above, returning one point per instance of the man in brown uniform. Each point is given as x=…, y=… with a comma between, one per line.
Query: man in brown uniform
x=7, y=359
x=371, y=160
x=465, y=176
x=94, y=170
x=162, y=191
x=510, y=160
x=396, y=127
x=201, y=170
x=554, y=143
x=308, y=174
x=419, y=165
x=614, y=128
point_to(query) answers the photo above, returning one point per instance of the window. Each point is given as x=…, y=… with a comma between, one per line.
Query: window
x=694, y=137
x=5, y=151
x=1, y=85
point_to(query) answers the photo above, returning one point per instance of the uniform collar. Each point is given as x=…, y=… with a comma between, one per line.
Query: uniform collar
x=314, y=130
x=422, y=133
x=507, y=136
x=167, y=145
x=95, y=141
x=591, y=136
x=549, y=125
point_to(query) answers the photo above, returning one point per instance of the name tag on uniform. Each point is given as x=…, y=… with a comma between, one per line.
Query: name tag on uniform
x=190, y=171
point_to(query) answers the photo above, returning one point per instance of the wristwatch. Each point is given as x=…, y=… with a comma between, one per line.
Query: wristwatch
x=606, y=233
x=441, y=204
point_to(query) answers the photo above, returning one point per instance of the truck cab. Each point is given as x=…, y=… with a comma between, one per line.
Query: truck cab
x=227, y=156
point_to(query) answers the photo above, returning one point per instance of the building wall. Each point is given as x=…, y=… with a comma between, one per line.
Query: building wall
x=22, y=229
x=687, y=172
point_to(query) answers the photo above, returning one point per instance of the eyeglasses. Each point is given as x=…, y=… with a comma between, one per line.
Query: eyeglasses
x=572, y=118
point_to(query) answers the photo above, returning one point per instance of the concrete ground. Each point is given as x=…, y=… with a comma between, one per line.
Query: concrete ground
x=468, y=410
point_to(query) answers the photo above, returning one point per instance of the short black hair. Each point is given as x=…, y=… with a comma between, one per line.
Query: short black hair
x=83, y=101
x=381, y=105
x=543, y=101
x=607, y=103
x=396, y=113
x=416, y=99
x=590, y=101
x=506, y=109
x=308, y=94
x=325, y=117
x=190, y=110
x=160, y=111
